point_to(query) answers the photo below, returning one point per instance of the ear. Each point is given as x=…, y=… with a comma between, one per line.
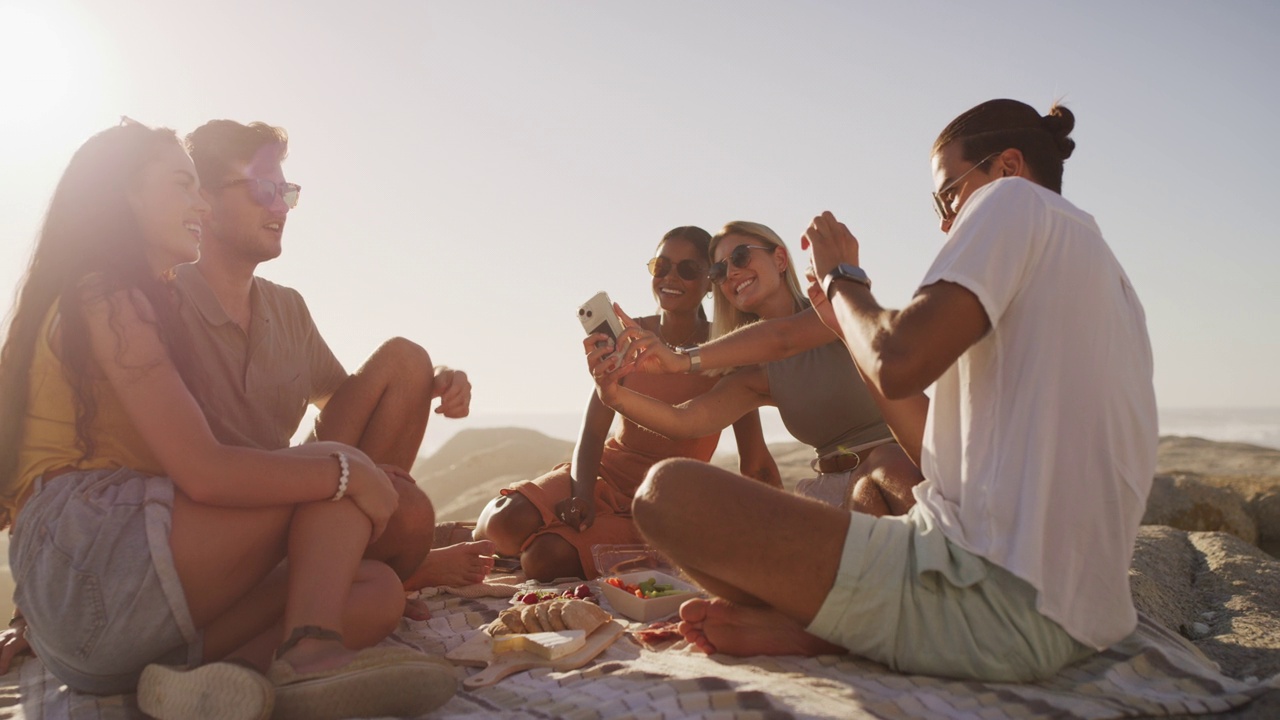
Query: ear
x=1011, y=163
x=780, y=259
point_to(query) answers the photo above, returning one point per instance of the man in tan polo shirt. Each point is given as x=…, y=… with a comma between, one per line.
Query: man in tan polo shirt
x=263, y=360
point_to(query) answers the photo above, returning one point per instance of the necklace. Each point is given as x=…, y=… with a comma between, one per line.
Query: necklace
x=697, y=327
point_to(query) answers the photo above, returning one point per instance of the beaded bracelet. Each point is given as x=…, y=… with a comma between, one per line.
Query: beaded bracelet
x=343, y=478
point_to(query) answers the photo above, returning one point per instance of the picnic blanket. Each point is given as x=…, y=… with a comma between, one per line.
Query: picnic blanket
x=1152, y=673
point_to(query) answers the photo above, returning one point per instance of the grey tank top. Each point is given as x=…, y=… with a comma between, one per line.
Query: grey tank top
x=823, y=401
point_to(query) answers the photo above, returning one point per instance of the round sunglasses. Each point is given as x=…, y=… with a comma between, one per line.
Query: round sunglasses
x=264, y=192
x=740, y=257
x=660, y=267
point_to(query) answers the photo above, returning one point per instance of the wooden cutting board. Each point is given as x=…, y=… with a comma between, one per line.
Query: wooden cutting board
x=476, y=652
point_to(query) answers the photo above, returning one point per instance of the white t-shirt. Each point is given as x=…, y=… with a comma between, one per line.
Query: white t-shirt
x=1040, y=442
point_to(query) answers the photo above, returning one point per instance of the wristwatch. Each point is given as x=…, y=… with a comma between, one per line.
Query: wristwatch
x=845, y=271
x=695, y=357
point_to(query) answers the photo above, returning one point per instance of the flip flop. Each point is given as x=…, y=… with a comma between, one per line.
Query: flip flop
x=216, y=691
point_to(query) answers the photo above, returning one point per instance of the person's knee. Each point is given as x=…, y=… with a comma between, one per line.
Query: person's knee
x=664, y=491
x=407, y=539
x=404, y=360
x=550, y=557
x=508, y=520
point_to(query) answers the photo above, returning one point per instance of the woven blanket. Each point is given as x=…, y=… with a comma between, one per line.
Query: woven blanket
x=1152, y=673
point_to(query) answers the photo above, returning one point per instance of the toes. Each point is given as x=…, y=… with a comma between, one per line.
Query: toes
x=694, y=611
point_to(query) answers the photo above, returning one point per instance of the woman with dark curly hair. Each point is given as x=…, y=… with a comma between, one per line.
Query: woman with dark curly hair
x=145, y=553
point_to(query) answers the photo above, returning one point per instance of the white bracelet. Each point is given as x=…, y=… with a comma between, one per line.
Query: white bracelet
x=343, y=478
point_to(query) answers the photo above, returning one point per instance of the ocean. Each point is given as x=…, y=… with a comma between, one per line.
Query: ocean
x=1256, y=426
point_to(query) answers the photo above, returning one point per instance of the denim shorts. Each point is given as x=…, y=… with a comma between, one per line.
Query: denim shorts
x=906, y=596
x=96, y=580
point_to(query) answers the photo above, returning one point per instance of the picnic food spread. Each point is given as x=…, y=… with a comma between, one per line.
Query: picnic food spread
x=645, y=589
x=549, y=616
x=549, y=645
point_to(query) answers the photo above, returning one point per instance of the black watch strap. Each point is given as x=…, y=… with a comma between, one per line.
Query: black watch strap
x=845, y=271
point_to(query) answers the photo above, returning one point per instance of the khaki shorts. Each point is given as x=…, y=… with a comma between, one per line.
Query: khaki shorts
x=907, y=597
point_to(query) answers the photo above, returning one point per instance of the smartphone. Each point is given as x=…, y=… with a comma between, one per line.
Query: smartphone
x=597, y=316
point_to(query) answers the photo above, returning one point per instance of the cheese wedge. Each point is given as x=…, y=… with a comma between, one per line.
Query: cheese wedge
x=555, y=645
x=508, y=643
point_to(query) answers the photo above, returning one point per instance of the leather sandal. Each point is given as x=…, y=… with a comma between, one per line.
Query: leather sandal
x=377, y=682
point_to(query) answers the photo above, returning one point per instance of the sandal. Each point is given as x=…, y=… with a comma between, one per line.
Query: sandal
x=377, y=682
x=228, y=690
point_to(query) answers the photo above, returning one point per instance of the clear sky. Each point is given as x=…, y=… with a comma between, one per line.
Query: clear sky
x=474, y=170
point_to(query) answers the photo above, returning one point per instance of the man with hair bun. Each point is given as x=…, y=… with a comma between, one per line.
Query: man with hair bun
x=1037, y=445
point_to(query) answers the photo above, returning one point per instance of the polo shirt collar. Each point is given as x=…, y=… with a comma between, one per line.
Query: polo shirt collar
x=205, y=302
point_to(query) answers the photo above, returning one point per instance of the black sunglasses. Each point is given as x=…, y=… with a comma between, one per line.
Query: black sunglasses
x=264, y=192
x=740, y=257
x=660, y=266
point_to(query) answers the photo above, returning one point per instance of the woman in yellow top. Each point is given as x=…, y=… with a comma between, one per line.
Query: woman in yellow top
x=143, y=548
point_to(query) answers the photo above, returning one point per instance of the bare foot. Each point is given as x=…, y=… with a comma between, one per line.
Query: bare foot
x=719, y=626
x=456, y=565
x=416, y=609
x=452, y=533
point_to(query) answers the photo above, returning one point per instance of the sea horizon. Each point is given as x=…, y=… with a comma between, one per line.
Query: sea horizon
x=1255, y=426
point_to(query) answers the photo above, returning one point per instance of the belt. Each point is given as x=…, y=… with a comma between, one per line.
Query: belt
x=842, y=462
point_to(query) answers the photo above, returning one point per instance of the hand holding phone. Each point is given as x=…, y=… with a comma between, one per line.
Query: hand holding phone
x=597, y=316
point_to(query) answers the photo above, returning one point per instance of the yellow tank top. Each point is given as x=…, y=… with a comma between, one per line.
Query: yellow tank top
x=49, y=429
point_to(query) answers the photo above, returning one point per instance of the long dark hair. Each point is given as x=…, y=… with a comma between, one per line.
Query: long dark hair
x=90, y=231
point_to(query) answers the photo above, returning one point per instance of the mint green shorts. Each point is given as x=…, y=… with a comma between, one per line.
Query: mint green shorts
x=907, y=597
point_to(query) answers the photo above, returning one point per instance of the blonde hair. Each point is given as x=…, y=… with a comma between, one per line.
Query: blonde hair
x=726, y=317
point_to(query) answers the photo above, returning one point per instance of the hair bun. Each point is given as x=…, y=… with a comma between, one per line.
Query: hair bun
x=1059, y=123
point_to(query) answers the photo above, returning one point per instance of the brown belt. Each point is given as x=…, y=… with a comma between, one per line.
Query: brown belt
x=837, y=463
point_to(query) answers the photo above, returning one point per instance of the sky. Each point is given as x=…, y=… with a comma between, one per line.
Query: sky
x=472, y=171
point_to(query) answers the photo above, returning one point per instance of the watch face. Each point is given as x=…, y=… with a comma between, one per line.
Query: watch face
x=847, y=272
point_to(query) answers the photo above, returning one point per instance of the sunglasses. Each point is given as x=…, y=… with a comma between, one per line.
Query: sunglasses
x=265, y=192
x=660, y=267
x=740, y=257
x=944, y=198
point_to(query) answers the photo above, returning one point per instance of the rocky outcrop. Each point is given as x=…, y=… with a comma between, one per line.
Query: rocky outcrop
x=1180, y=500
x=1219, y=592
x=1212, y=486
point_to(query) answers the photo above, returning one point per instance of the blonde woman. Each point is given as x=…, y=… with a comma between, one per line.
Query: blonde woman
x=552, y=522
x=817, y=391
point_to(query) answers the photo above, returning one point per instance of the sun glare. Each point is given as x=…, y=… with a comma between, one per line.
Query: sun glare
x=48, y=69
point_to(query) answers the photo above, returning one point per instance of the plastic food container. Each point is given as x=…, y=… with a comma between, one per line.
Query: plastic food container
x=640, y=608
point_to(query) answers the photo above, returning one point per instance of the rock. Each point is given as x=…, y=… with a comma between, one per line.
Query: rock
x=1216, y=581
x=1182, y=501
x=1216, y=458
